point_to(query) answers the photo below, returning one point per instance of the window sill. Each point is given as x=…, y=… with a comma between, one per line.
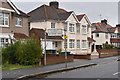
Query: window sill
x=18, y=25
x=72, y=32
x=4, y=26
x=84, y=48
x=84, y=34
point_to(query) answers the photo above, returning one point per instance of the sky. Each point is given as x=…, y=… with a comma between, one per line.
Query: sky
x=95, y=10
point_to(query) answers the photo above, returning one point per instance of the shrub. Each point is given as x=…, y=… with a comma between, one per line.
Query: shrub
x=27, y=52
x=107, y=46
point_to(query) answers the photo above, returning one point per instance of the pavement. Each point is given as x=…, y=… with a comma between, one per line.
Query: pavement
x=21, y=73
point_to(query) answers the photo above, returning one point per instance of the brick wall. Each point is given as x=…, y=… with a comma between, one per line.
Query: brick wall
x=82, y=56
x=108, y=52
x=56, y=58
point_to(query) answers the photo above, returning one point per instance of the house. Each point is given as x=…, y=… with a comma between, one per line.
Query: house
x=115, y=35
x=103, y=33
x=53, y=43
x=77, y=29
x=13, y=23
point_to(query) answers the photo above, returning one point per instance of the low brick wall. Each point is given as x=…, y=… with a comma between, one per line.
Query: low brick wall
x=82, y=56
x=56, y=58
x=108, y=52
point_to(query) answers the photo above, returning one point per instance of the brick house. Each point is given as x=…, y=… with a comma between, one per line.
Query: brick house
x=13, y=22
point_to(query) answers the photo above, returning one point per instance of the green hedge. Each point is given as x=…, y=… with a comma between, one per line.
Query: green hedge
x=27, y=52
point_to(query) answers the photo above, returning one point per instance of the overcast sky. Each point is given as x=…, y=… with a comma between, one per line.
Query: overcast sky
x=94, y=10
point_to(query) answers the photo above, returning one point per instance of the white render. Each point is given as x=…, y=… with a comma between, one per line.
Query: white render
x=101, y=39
x=74, y=35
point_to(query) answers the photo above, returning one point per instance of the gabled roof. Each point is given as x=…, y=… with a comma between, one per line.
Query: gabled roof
x=17, y=11
x=40, y=33
x=80, y=16
x=46, y=12
x=13, y=6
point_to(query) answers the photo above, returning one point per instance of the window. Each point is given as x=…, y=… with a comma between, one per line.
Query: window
x=4, y=19
x=106, y=35
x=84, y=30
x=18, y=22
x=88, y=26
x=97, y=34
x=78, y=28
x=52, y=25
x=65, y=26
x=78, y=43
x=71, y=27
x=71, y=43
x=4, y=41
x=84, y=44
x=56, y=44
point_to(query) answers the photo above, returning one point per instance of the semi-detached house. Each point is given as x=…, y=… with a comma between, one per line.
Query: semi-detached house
x=103, y=33
x=13, y=23
x=78, y=27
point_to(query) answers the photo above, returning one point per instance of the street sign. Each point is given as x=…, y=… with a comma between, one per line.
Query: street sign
x=65, y=37
x=54, y=32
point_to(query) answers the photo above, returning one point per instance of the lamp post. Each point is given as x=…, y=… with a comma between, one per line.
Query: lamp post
x=65, y=46
x=45, y=48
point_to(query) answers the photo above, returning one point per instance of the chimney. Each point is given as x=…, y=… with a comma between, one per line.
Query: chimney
x=54, y=4
x=104, y=21
x=118, y=25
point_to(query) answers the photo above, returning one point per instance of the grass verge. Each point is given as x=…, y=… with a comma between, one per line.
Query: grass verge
x=13, y=66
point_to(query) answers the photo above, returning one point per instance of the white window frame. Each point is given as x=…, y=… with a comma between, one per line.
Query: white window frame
x=4, y=17
x=18, y=22
x=71, y=43
x=84, y=29
x=97, y=35
x=78, y=43
x=52, y=25
x=84, y=44
x=78, y=28
x=71, y=28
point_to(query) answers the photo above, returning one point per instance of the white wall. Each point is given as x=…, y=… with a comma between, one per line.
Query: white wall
x=101, y=39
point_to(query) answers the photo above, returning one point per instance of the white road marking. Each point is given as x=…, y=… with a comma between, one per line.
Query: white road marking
x=116, y=73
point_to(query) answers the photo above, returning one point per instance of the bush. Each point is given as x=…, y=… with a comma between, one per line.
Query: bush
x=27, y=52
x=108, y=46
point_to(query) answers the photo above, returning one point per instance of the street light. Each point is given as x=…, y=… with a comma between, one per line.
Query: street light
x=45, y=48
x=65, y=46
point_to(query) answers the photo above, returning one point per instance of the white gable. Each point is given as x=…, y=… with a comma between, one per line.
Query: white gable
x=85, y=20
x=13, y=6
x=72, y=18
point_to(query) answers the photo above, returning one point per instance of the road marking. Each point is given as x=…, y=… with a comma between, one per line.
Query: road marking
x=116, y=73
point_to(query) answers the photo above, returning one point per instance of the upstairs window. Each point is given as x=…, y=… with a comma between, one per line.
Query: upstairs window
x=71, y=27
x=52, y=25
x=18, y=22
x=65, y=26
x=97, y=34
x=84, y=29
x=78, y=28
x=4, y=19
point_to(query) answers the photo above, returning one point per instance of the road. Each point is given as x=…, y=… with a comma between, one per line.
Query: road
x=105, y=70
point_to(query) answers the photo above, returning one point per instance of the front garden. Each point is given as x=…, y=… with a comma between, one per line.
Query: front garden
x=21, y=54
